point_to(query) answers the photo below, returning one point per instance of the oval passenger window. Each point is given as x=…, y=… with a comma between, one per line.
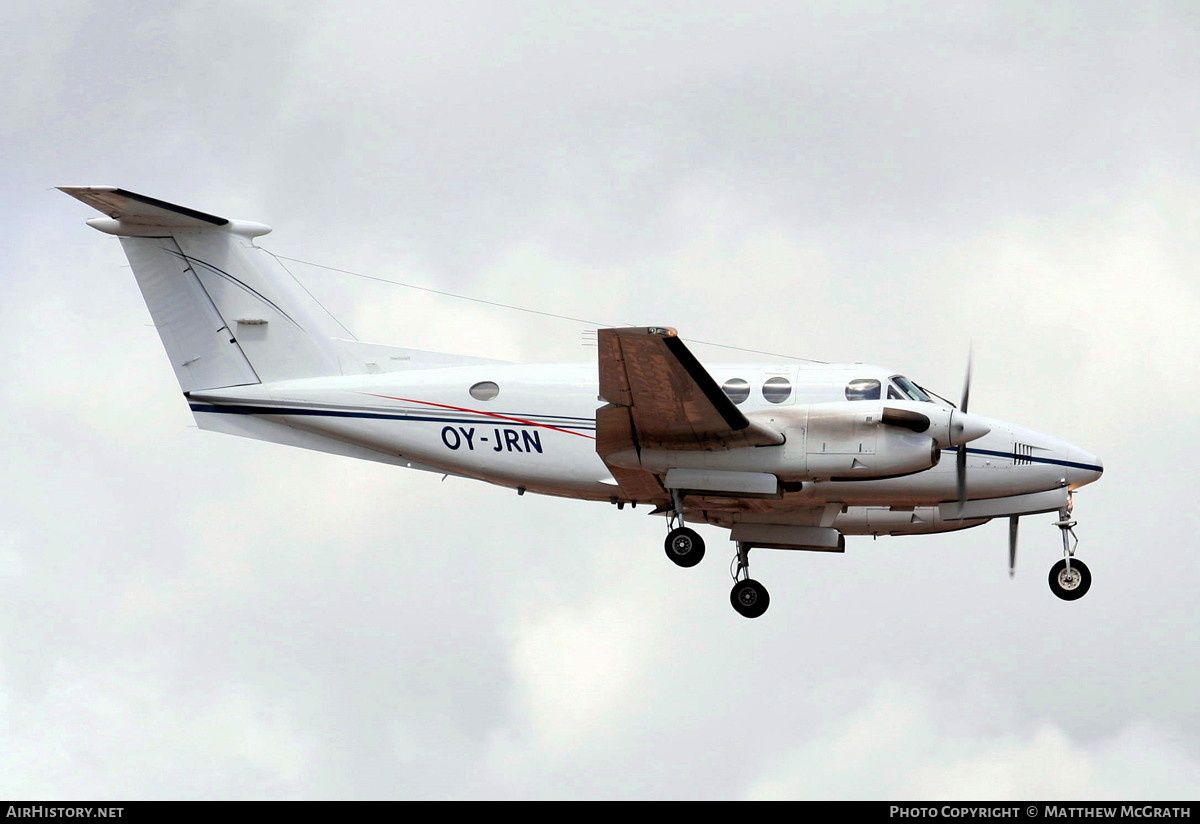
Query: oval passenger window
x=737, y=389
x=777, y=390
x=484, y=391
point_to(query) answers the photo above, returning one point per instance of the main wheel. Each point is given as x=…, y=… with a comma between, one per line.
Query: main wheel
x=749, y=598
x=1072, y=585
x=684, y=546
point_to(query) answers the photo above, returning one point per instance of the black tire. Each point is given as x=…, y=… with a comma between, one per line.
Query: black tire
x=1073, y=587
x=749, y=598
x=684, y=546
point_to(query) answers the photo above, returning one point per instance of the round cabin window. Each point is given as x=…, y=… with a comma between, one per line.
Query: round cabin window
x=777, y=390
x=737, y=389
x=484, y=391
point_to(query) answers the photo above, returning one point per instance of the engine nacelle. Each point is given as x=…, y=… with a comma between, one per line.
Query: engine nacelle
x=828, y=441
x=850, y=441
x=946, y=425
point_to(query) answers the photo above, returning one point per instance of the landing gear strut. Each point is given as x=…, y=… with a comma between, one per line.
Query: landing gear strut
x=749, y=597
x=684, y=546
x=1069, y=579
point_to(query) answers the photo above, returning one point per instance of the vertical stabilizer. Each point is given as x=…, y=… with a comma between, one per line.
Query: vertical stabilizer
x=228, y=313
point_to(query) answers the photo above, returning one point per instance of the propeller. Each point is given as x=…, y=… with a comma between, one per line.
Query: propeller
x=961, y=472
x=961, y=457
x=1013, y=520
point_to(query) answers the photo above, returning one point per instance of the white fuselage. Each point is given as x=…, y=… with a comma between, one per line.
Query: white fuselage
x=538, y=434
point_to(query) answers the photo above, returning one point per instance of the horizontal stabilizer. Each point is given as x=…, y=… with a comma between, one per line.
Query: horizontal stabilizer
x=140, y=210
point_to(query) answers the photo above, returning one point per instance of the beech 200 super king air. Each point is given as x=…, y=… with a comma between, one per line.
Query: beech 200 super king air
x=784, y=457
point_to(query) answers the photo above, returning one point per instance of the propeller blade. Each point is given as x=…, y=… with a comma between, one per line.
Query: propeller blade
x=1013, y=520
x=961, y=457
x=966, y=395
x=960, y=467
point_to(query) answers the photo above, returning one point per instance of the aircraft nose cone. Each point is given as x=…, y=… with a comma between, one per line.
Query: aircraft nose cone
x=1084, y=468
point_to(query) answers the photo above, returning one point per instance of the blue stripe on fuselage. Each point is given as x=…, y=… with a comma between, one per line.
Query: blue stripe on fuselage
x=1030, y=458
x=341, y=413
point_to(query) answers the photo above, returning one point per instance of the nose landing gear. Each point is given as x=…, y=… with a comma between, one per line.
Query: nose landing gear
x=1069, y=579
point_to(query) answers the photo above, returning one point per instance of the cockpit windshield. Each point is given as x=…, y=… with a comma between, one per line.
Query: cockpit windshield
x=910, y=389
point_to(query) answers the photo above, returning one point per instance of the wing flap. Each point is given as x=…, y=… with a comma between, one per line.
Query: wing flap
x=614, y=433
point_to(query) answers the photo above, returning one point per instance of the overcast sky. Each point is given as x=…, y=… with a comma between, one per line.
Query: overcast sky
x=189, y=615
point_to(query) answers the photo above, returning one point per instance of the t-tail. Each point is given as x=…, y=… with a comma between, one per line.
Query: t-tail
x=230, y=314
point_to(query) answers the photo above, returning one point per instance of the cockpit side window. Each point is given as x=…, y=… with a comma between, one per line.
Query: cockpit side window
x=863, y=389
x=909, y=389
x=894, y=394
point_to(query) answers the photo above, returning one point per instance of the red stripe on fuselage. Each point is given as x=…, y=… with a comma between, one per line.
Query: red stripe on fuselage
x=481, y=412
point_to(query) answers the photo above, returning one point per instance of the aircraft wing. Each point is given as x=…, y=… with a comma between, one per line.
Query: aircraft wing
x=660, y=397
x=671, y=400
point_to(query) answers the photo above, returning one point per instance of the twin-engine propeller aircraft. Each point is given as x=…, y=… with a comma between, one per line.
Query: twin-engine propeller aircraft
x=784, y=457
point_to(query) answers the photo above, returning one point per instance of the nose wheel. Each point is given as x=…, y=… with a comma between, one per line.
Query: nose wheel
x=1069, y=579
x=1070, y=582
x=748, y=597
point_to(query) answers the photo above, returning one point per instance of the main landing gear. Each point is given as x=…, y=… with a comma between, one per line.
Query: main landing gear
x=684, y=545
x=749, y=597
x=685, y=548
x=1069, y=579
